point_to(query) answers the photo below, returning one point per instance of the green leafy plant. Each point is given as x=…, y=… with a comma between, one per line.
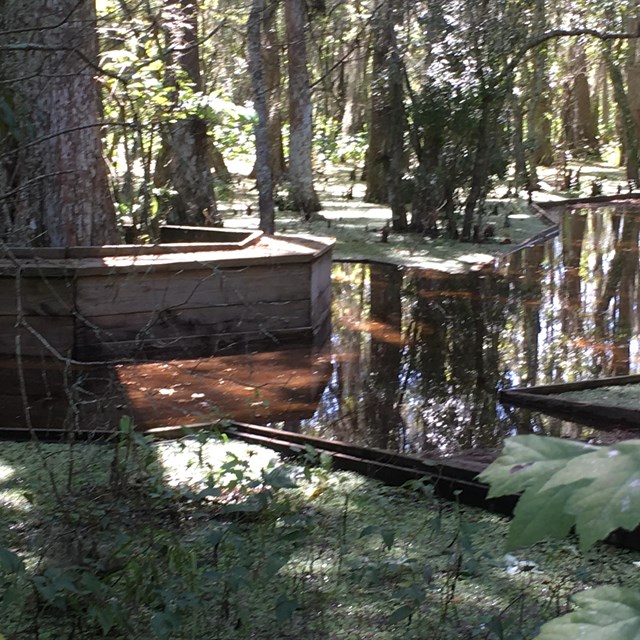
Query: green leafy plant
x=567, y=485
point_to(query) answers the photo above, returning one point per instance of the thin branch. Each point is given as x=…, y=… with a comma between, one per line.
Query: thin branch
x=25, y=185
x=45, y=27
x=55, y=134
x=561, y=33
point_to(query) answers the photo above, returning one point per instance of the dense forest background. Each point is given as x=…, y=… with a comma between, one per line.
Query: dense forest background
x=133, y=111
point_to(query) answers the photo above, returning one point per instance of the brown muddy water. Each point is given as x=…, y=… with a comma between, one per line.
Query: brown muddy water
x=415, y=359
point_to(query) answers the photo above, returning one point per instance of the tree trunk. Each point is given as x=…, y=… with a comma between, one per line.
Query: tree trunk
x=605, y=124
x=522, y=178
x=538, y=115
x=273, y=87
x=387, y=113
x=263, y=164
x=629, y=136
x=480, y=172
x=190, y=161
x=355, y=71
x=303, y=195
x=581, y=126
x=395, y=152
x=53, y=173
x=633, y=74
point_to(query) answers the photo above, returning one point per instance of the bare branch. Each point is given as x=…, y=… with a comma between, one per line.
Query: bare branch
x=46, y=27
x=562, y=33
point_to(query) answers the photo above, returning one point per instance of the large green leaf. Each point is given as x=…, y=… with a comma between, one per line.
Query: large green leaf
x=539, y=515
x=611, y=497
x=605, y=613
x=529, y=460
x=566, y=484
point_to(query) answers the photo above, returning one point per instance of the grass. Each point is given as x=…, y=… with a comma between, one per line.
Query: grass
x=215, y=539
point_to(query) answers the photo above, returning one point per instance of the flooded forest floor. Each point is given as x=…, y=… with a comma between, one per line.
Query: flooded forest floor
x=357, y=225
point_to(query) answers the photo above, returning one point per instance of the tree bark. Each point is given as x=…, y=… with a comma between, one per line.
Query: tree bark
x=190, y=161
x=273, y=87
x=355, y=71
x=633, y=73
x=387, y=113
x=53, y=172
x=538, y=115
x=580, y=124
x=630, y=139
x=480, y=172
x=522, y=177
x=263, y=164
x=303, y=194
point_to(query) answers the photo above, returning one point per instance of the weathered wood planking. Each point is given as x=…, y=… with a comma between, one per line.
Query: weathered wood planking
x=114, y=294
x=42, y=295
x=546, y=399
x=202, y=345
x=321, y=293
x=49, y=337
x=181, y=331
x=97, y=302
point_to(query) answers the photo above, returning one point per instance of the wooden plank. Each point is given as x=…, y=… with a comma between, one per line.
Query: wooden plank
x=114, y=295
x=619, y=197
x=46, y=296
x=44, y=412
x=321, y=276
x=226, y=238
x=42, y=377
x=600, y=416
x=56, y=335
x=261, y=316
x=450, y=480
x=189, y=346
x=562, y=387
x=321, y=294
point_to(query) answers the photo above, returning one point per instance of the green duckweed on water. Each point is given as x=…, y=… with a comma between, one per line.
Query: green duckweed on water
x=624, y=396
x=206, y=538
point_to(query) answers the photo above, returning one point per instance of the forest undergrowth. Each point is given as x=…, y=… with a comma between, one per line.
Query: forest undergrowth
x=360, y=228
x=204, y=537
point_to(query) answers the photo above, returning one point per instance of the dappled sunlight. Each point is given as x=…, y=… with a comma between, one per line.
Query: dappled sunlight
x=188, y=462
x=253, y=387
x=11, y=497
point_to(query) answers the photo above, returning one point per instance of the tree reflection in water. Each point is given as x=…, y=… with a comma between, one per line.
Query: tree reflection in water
x=419, y=355
x=416, y=357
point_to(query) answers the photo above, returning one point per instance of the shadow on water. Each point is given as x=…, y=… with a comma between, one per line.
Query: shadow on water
x=415, y=359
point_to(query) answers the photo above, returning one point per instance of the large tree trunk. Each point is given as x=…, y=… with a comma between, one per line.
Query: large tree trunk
x=355, y=71
x=262, y=168
x=54, y=178
x=273, y=87
x=387, y=113
x=303, y=195
x=581, y=127
x=395, y=152
x=190, y=163
x=538, y=143
x=633, y=73
x=480, y=171
x=629, y=135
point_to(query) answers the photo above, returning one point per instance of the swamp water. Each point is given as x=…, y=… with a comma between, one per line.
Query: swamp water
x=415, y=358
